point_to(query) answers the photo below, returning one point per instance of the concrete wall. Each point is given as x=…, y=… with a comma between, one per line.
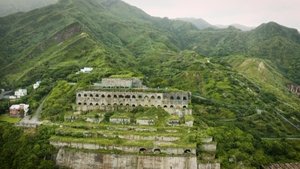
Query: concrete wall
x=174, y=103
x=80, y=160
x=90, y=146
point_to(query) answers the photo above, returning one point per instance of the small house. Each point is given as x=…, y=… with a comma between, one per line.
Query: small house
x=18, y=110
x=20, y=93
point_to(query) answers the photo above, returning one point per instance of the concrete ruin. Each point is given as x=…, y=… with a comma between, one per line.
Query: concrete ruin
x=294, y=89
x=128, y=93
x=79, y=160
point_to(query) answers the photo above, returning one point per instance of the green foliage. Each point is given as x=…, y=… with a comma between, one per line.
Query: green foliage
x=59, y=101
x=22, y=149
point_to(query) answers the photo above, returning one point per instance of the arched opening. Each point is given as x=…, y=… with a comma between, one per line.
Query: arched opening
x=158, y=106
x=103, y=96
x=142, y=150
x=140, y=96
x=178, y=97
x=184, y=107
x=121, y=96
x=121, y=104
x=184, y=98
x=97, y=95
x=187, y=151
x=146, y=97
x=133, y=96
x=172, y=98
x=152, y=97
x=152, y=105
x=79, y=95
x=79, y=103
x=127, y=105
x=91, y=104
x=127, y=96
x=109, y=96
x=85, y=95
x=84, y=103
x=165, y=106
x=97, y=104
x=158, y=97
x=91, y=95
x=172, y=106
x=115, y=96
x=108, y=104
x=157, y=151
x=102, y=104
x=133, y=105
x=146, y=105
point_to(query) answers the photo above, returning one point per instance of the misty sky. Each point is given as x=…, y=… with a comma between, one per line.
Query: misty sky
x=225, y=12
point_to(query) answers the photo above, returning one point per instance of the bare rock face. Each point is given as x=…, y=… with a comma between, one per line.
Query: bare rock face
x=294, y=89
x=76, y=159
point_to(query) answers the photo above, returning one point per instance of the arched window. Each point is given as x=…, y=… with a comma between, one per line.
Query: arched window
x=133, y=105
x=85, y=95
x=91, y=104
x=187, y=151
x=127, y=105
x=158, y=97
x=79, y=95
x=157, y=151
x=152, y=105
x=121, y=96
x=152, y=97
x=165, y=106
x=109, y=96
x=184, y=107
x=103, y=96
x=172, y=98
x=79, y=103
x=97, y=95
x=158, y=106
x=146, y=97
x=178, y=97
x=84, y=103
x=97, y=104
x=172, y=106
x=142, y=150
x=184, y=98
x=140, y=96
x=102, y=104
x=115, y=96
x=121, y=104
x=133, y=96
x=127, y=96
x=115, y=104
x=91, y=95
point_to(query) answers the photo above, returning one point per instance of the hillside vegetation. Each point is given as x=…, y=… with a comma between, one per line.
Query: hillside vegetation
x=238, y=79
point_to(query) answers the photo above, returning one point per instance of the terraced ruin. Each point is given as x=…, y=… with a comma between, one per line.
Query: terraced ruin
x=159, y=125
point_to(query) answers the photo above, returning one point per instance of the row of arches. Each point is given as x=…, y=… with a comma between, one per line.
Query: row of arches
x=128, y=105
x=130, y=96
x=158, y=151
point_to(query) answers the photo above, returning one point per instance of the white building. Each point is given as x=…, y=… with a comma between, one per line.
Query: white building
x=86, y=70
x=20, y=93
x=36, y=85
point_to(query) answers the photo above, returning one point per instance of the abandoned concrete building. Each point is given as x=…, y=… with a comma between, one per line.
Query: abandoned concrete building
x=130, y=93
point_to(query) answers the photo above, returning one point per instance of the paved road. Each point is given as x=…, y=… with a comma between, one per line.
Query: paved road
x=32, y=121
x=4, y=93
x=285, y=119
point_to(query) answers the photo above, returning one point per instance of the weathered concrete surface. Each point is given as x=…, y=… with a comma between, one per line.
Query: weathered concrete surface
x=89, y=146
x=84, y=160
x=209, y=166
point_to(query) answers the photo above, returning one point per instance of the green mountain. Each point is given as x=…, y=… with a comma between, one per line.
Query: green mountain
x=238, y=79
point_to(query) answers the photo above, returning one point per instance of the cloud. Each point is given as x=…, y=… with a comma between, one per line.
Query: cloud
x=250, y=13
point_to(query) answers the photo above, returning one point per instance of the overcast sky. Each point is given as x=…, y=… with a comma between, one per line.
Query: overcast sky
x=225, y=12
